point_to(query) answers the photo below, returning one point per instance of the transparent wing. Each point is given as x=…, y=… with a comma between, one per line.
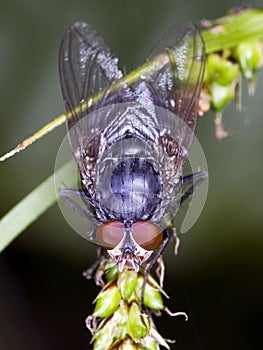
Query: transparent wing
x=86, y=66
x=178, y=84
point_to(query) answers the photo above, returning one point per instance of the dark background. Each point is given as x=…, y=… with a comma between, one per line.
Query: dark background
x=217, y=277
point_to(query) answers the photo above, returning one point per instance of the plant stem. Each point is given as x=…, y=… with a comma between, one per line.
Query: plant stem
x=234, y=29
x=229, y=31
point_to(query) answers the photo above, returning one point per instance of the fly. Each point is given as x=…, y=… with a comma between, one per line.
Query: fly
x=130, y=146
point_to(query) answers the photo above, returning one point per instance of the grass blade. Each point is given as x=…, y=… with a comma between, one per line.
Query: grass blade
x=31, y=207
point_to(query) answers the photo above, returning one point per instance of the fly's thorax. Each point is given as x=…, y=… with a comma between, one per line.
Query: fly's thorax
x=127, y=180
x=130, y=159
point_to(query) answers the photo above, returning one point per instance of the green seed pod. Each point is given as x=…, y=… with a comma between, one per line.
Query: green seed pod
x=102, y=341
x=150, y=344
x=220, y=70
x=137, y=328
x=127, y=282
x=152, y=293
x=127, y=344
x=221, y=95
x=107, y=301
x=111, y=273
x=119, y=321
x=249, y=55
x=153, y=298
x=157, y=338
x=112, y=330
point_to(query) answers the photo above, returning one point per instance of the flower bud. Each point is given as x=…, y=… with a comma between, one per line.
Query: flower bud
x=127, y=344
x=103, y=340
x=137, y=328
x=221, y=95
x=153, y=298
x=152, y=293
x=158, y=339
x=127, y=282
x=220, y=70
x=112, y=330
x=112, y=273
x=107, y=301
x=249, y=55
x=150, y=344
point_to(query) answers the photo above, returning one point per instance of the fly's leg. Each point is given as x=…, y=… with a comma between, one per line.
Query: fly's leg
x=190, y=182
x=194, y=180
x=90, y=272
x=176, y=240
x=156, y=256
x=94, y=272
x=160, y=270
x=67, y=194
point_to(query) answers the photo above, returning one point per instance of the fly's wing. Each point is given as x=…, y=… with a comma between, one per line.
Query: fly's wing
x=178, y=84
x=86, y=66
x=175, y=88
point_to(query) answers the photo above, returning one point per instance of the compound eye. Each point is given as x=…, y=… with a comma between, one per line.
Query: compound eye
x=147, y=235
x=109, y=234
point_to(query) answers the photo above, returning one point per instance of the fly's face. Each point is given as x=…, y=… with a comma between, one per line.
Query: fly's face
x=130, y=146
x=129, y=244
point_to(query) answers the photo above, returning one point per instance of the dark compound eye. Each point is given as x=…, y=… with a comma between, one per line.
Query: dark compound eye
x=147, y=235
x=109, y=234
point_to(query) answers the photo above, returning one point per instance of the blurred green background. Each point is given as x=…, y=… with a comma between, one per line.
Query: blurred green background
x=217, y=277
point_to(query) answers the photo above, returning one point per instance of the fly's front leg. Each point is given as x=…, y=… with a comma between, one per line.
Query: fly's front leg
x=156, y=256
x=68, y=194
x=94, y=271
x=193, y=181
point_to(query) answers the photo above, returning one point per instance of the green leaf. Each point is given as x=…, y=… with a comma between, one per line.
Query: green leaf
x=31, y=207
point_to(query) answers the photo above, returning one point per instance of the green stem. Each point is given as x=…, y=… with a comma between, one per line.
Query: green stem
x=228, y=32
x=233, y=29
